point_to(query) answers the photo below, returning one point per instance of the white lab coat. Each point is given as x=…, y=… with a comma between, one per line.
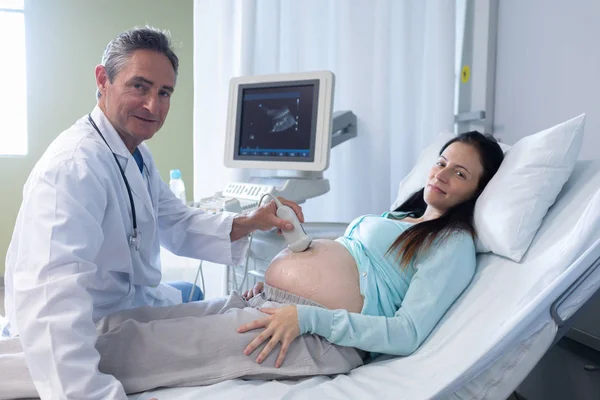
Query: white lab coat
x=69, y=262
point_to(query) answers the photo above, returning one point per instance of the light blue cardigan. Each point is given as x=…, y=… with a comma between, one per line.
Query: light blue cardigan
x=401, y=306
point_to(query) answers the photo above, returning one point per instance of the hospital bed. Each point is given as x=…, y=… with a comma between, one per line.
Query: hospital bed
x=491, y=338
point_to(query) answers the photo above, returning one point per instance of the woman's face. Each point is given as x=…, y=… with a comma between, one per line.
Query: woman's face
x=454, y=177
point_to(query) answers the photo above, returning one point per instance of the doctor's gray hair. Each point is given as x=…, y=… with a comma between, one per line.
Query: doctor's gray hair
x=119, y=49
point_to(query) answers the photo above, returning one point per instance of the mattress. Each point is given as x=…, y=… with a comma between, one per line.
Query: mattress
x=490, y=339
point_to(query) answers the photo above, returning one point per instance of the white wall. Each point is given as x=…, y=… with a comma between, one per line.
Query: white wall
x=548, y=68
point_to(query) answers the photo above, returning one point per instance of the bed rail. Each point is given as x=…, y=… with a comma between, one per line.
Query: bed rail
x=560, y=300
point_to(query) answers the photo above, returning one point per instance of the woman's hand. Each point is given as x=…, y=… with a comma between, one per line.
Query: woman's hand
x=257, y=289
x=281, y=326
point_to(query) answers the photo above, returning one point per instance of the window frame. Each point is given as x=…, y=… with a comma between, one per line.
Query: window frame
x=6, y=8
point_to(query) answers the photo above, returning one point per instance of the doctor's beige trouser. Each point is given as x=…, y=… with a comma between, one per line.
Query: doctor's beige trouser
x=197, y=344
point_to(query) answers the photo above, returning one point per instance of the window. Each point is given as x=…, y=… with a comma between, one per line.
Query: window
x=13, y=94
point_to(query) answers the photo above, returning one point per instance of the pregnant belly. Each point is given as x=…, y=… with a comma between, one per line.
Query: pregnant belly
x=325, y=273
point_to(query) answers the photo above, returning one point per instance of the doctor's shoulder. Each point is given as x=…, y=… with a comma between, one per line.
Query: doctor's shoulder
x=73, y=148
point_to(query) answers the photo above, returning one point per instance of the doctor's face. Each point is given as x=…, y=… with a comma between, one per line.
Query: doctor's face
x=454, y=178
x=137, y=101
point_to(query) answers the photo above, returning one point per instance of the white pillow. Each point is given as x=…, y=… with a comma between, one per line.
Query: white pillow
x=511, y=208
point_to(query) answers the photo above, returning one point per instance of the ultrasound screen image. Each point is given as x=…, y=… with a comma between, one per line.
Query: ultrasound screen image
x=277, y=123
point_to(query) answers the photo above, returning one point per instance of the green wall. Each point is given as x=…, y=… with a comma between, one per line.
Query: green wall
x=65, y=40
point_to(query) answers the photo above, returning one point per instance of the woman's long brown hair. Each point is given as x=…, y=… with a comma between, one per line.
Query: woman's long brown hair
x=418, y=238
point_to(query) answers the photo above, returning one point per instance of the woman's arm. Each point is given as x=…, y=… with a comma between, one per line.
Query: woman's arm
x=441, y=277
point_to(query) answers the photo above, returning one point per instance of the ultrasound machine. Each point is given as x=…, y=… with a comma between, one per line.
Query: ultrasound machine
x=281, y=127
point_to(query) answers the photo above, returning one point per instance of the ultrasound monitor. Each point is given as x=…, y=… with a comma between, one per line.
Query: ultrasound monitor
x=280, y=121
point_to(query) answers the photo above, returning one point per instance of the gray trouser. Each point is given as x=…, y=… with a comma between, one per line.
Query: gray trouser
x=197, y=344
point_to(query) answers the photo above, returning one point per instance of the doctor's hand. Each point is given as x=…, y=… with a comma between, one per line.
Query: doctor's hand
x=257, y=289
x=264, y=218
x=280, y=326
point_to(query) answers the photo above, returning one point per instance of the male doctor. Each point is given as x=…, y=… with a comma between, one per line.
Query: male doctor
x=80, y=251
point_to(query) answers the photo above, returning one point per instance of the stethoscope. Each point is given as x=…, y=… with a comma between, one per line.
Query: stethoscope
x=134, y=237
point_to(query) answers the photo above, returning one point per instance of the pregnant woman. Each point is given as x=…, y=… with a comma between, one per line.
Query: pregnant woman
x=381, y=288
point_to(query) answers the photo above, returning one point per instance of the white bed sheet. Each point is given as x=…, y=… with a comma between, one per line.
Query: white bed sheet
x=491, y=337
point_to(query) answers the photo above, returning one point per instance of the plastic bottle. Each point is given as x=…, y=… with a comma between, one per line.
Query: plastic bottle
x=177, y=186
